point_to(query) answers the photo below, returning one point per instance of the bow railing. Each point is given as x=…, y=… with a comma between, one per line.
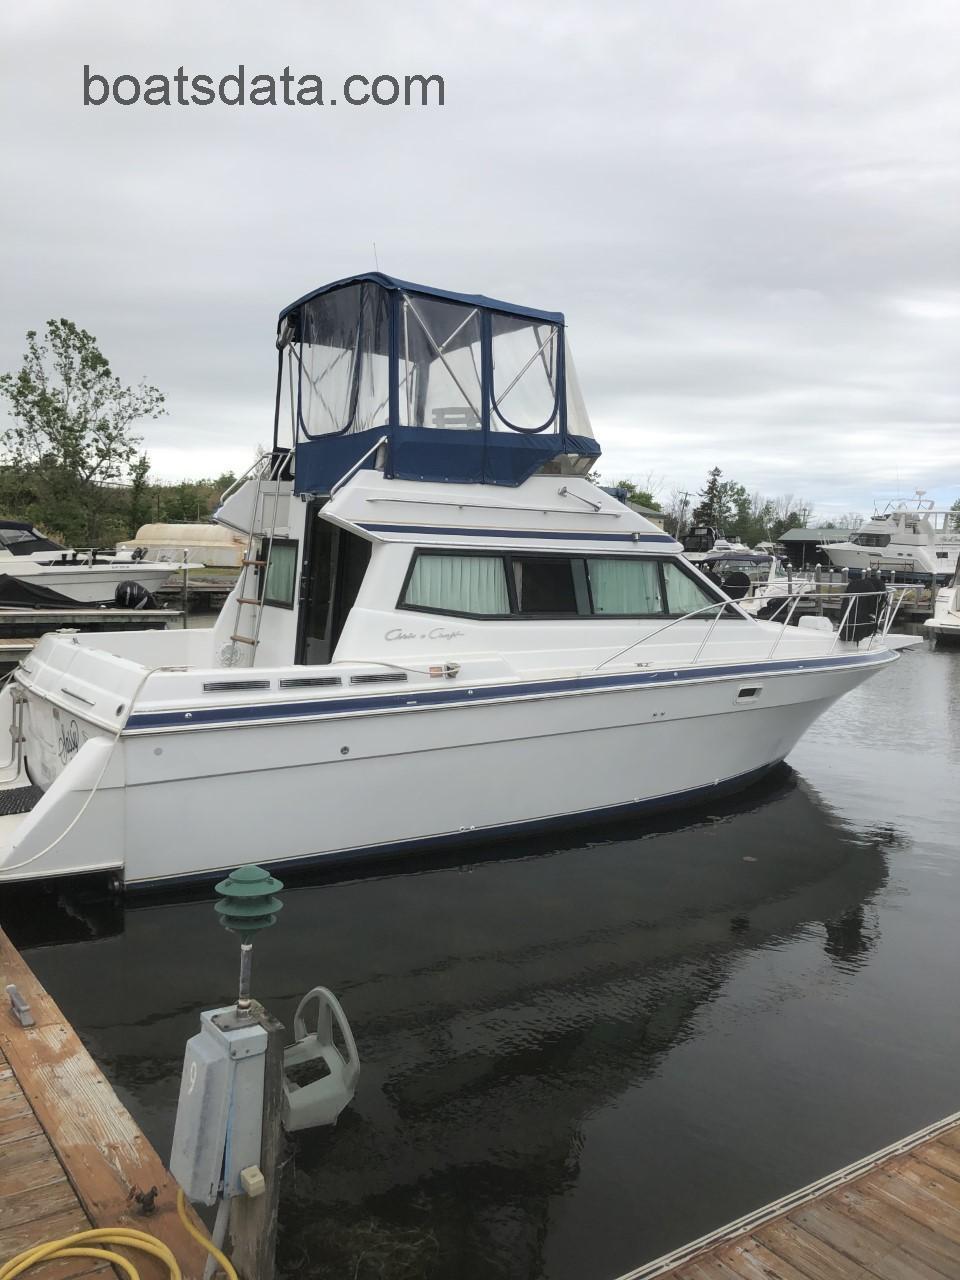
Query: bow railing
x=862, y=616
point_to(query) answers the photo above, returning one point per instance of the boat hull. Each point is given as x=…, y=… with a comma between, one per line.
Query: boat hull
x=166, y=804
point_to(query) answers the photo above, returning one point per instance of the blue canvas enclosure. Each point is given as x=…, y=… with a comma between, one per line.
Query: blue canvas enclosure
x=462, y=388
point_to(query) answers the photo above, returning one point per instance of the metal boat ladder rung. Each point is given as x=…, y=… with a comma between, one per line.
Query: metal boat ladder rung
x=269, y=474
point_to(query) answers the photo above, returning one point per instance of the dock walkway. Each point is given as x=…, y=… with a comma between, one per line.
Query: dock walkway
x=893, y=1216
x=71, y=1155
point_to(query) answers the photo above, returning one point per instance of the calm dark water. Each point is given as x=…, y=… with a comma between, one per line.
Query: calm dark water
x=580, y=1053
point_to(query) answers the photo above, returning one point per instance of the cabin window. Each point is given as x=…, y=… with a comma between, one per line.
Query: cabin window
x=625, y=586
x=872, y=539
x=684, y=593
x=550, y=585
x=280, y=578
x=488, y=585
x=458, y=584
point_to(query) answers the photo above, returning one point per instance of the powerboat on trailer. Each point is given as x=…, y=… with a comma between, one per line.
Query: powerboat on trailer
x=920, y=542
x=443, y=630
x=37, y=571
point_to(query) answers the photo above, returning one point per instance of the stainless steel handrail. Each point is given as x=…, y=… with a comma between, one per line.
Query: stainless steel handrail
x=893, y=597
x=352, y=471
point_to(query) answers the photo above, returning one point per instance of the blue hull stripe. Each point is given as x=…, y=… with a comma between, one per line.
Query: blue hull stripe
x=539, y=534
x=195, y=717
x=484, y=835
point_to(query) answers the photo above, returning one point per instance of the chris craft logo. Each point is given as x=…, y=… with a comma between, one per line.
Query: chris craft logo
x=435, y=633
x=239, y=89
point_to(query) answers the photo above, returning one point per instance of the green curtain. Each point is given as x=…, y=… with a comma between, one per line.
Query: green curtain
x=625, y=586
x=684, y=594
x=465, y=584
x=281, y=572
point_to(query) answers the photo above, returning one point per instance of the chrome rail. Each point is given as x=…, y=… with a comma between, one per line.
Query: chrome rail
x=352, y=471
x=789, y=602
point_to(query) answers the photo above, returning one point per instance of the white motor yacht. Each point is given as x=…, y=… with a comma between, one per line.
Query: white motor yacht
x=944, y=626
x=443, y=630
x=919, y=541
x=37, y=571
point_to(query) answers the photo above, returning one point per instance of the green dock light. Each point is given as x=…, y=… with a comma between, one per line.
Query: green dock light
x=247, y=906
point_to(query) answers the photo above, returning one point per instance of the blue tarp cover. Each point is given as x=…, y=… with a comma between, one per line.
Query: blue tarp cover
x=418, y=453
x=405, y=286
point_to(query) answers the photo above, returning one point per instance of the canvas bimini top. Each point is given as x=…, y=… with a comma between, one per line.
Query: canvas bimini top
x=460, y=387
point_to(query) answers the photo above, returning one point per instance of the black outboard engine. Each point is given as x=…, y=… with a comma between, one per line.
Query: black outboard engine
x=863, y=618
x=131, y=595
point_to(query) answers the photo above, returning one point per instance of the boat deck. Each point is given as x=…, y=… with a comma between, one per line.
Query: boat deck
x=71, y=1155
x=893, y=1216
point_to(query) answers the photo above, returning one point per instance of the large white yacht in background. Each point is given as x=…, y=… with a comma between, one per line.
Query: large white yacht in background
x=443, y=630
x=921, y=541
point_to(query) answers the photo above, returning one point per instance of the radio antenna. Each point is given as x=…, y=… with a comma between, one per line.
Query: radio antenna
x=375, y=258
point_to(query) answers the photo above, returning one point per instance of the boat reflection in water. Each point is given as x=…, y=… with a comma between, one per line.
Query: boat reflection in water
x=497, y=1005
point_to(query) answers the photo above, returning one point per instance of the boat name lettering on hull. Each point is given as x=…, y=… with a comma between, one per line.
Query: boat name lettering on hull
x=435, y=633
x=69, y=743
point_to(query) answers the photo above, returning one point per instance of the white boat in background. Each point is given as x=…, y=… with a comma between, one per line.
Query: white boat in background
x=944, y=626
x=39, y=572
x=920, y=541
x=701, y=541
x=210, y=545
x=443, y=631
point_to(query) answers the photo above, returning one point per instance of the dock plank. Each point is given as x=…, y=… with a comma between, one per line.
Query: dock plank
x=856, y=1240
x=751, y=1260
x=104, y=1155
x=22, y=1151
x=941, y=1157
x=811, y=1255
x=936, y=1251
x=25, y=1235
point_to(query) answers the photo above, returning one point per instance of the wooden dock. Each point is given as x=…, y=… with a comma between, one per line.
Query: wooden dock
x=71, y=1155
x=893, y=1216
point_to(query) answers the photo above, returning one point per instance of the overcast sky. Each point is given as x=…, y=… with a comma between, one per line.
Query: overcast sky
x=749, y=211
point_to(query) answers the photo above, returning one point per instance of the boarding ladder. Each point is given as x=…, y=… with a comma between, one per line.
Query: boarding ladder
x=250, y=591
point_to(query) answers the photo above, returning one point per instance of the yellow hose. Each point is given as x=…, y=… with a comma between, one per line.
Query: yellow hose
x=95, y=1244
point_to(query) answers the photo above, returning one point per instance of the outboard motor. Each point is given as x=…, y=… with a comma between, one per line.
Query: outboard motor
x=863, y=618
x=131, y=595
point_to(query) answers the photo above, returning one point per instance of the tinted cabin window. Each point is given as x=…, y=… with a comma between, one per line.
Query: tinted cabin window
x=458, y=584
x=552, y=586
x=549, y=586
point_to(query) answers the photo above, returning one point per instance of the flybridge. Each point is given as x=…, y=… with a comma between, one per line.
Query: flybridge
x=442, y=386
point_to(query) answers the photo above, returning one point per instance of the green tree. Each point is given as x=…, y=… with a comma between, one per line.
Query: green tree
x=956, y=518
x=139, y=495
x=642, y=497
x=716, y=506
x=71, y=436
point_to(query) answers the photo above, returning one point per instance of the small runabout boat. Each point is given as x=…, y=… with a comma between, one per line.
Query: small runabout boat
x=39, y=573
x=443, y=630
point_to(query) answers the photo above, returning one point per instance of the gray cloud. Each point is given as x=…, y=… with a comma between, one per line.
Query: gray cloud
x=748, y=212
